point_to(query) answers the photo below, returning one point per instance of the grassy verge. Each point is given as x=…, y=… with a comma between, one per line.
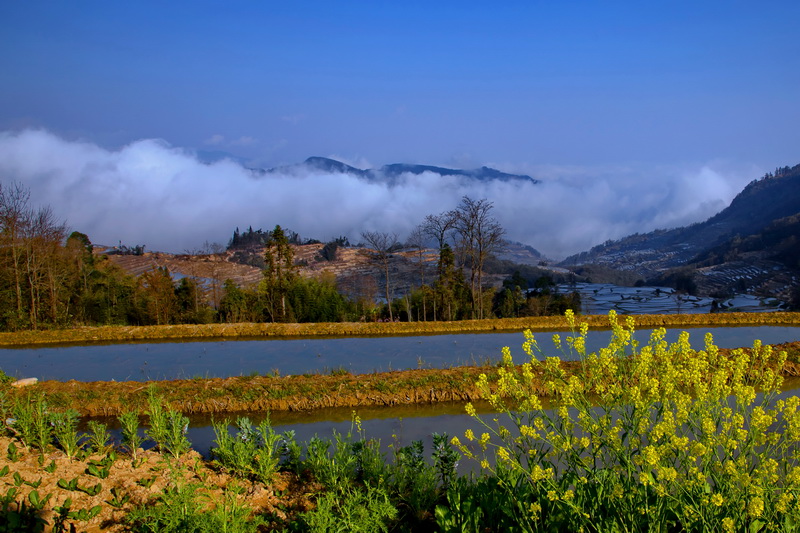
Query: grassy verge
x=86, y=335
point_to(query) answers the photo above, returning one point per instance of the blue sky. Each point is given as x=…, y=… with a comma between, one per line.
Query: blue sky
x=560, y=90
x=515, y=83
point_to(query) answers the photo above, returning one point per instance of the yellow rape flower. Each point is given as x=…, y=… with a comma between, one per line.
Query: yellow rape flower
x=470, y=409
x=728, y=525
x=755, y=507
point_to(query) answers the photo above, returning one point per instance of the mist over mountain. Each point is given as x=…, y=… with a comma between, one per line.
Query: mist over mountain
x=174, y=199
x=395, y=172
x=751, y=245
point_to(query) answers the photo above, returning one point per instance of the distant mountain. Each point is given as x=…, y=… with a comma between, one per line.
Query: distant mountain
x=391, y=173
x=330, y=165
x=750, y=245
x=482, y=174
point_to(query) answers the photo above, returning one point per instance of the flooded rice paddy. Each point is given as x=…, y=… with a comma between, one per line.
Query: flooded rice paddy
x=357, y=355
x=600, y=298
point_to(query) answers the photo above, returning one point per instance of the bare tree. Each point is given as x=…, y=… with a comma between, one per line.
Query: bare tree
x=438, y=226
x=480, y=235
x=416, y=240
x=381, y=246
x=34, y=262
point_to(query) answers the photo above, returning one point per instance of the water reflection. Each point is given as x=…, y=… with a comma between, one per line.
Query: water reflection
x=393, y=426
x=396, y=425
x=184, y=360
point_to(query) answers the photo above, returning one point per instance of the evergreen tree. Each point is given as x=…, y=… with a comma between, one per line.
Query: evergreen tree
x=279, y=274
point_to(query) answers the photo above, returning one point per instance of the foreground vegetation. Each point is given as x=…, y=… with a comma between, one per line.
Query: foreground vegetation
x=659, y=437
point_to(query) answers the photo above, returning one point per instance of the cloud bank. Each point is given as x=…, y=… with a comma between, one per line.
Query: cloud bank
x=151, y=193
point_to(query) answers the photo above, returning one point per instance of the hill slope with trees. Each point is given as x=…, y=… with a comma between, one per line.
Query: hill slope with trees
x=748, y=246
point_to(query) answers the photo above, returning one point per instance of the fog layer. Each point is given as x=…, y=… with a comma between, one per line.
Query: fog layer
x=164, y=197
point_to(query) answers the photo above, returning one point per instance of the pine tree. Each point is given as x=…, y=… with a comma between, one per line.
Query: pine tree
x=279, y=273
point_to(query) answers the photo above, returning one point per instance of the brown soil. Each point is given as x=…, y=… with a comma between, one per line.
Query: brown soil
x=130, y=477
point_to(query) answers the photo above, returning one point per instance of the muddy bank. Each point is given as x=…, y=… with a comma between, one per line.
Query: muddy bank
x=105, y=334
x=290, y=393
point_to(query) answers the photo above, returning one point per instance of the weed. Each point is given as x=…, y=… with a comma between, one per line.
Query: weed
x=339, y=371
x=290, y=452
x=65, y=431
x=38, y=502
x=367, y=511
x=129, y=422
x=5, y=378
x=118, y=499
x=414, y=481
x=445, y=459
x=98, y=436
x=19, y=516
x=12, y=452
x=31, y=421
x=176, y=443
x=167, y=427
x=184, y=508
x=146, y=482
x=252, y=451
x=157, y=430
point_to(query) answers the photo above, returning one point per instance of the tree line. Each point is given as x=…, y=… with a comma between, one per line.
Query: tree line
x=50, y=277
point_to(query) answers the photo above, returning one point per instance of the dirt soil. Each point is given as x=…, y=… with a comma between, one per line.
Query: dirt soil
x=141, y=481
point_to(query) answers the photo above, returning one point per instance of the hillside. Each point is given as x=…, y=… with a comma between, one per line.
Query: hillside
x=355, y=275
x=747, y=246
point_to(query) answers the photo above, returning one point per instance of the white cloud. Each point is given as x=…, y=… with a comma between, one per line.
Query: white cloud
x=151, y=193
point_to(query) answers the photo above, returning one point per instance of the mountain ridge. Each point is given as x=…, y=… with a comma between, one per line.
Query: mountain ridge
x=661, y=256
x=393, y=172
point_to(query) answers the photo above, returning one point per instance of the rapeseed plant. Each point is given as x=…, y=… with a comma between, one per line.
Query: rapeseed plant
x=656, y=437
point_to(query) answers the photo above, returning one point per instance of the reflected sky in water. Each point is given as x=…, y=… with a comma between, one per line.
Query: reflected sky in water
x=184, y=360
